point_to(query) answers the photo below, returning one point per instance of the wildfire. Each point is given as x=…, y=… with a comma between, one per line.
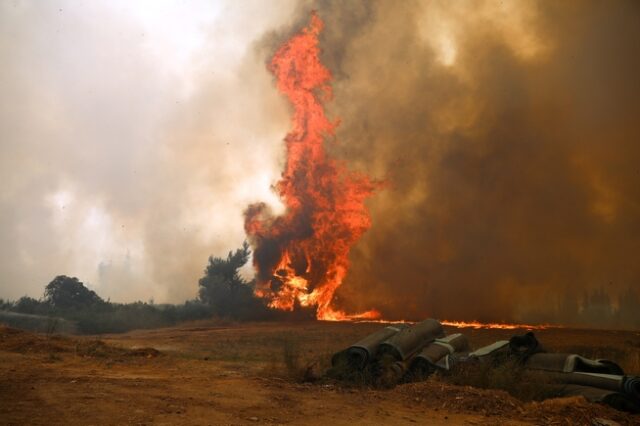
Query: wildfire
x=494, y=325
x=467, y=324
x=301, y=257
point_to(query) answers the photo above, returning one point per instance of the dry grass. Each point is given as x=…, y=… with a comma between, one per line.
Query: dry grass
x=350, y=376
x=298, y=366
x=526, y=385
x=299, y=350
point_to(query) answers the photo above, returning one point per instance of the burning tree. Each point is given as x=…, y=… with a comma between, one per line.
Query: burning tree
x=301, y=257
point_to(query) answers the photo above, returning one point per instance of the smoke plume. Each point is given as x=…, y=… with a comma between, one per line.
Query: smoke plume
x=508, y=134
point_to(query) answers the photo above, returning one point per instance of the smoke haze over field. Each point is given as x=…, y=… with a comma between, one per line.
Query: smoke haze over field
x=134, y=133
x=508, y=134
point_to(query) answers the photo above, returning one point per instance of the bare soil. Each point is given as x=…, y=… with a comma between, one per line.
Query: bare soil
x=217, y=373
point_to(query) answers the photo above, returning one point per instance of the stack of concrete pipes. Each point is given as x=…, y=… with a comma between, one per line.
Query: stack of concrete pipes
x=401, y=349
x=402, y=352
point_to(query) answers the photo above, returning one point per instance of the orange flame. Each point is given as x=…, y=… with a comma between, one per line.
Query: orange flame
x=463, y=324
x=495, y=325
x=301, y=257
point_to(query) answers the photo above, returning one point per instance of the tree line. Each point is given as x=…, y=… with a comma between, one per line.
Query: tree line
x=597, y=307
x=222, y=292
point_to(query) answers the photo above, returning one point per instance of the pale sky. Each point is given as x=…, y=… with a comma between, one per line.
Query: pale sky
x=116, y=168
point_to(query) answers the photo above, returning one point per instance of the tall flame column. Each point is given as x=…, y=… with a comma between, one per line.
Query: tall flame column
x=302, y=256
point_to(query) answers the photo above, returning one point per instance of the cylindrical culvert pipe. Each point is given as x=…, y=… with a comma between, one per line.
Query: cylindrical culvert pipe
x=569, y=363
x=361, y=353
x=614, y=399
x=410, y=340
x=425, y=362
x=603, y=381
x=631, y=386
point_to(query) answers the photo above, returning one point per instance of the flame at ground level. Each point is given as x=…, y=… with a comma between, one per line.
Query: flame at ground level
x=332, y=315
x=457, y=324
x=495, y=325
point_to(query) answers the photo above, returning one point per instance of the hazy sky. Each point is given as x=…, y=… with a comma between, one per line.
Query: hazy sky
x=135, y=133
x=133, y=136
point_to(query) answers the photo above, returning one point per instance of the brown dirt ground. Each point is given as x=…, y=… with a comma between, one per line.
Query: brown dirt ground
x=217, y=373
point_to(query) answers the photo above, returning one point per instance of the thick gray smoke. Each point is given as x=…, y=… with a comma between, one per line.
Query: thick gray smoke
x=133, y=135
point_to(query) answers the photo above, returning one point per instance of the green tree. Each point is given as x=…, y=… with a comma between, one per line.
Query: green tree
x=224, y=290
x=29, y=305
x=70, y=293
